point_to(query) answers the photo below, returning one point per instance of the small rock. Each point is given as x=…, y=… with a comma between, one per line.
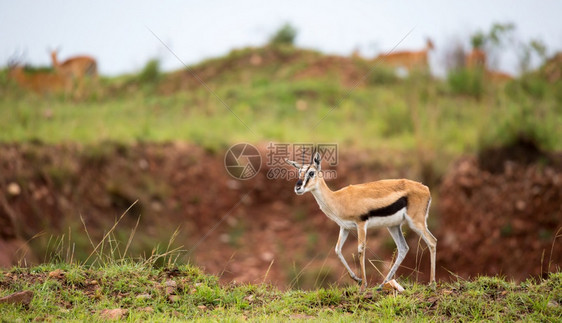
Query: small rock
x=233, y=185
x=173, y=298
x=143, y=164
x=301, y=317
x=144, y=296
x=267, y=256
x=58, y=273
x=23, y=298
x=170, y=286
x=301, y=105
x=171, y=283
x=114, y=314
x=156, y=206
x=14, y=189
x=147, y=309
x=224, y=238
x=368, y=295
x=432, y=301
x=202, y=307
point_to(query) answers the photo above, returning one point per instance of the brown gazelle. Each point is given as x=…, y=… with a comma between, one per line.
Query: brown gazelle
x=42, y=82
x=384, y=203
x=410, y=60
x=476, y=59
x=76, y=69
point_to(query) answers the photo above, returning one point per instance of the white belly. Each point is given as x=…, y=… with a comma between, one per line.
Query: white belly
x=373, y=222
x=387, y=221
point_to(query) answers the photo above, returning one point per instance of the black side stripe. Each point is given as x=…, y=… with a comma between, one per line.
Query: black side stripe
x=387, y=210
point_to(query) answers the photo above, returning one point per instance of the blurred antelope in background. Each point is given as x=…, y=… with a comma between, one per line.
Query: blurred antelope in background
x=384, y=203
x=409, y=60
x=39, y=81
x=476, y=60
x=77, y=69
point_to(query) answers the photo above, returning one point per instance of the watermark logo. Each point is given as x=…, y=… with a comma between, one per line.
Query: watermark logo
x=242, y=161
x=301, y=153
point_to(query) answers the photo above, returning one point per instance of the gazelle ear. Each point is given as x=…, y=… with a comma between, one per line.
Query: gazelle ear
x=316, y=159
x=292, y=163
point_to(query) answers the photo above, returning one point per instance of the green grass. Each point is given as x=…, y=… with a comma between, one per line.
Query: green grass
x=277, y=105
x=186, y=293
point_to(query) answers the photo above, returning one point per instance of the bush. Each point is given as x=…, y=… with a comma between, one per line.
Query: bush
x=466, y=81
x=519, y=123
x=284, y=36
x=150, y=73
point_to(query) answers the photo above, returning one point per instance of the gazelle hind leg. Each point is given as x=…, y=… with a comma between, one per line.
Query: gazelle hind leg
x=430, y=240
x=361, y=243
x=432, y=244
x=398, y=237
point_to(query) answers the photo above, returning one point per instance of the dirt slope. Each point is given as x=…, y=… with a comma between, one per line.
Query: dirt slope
x=259, y=229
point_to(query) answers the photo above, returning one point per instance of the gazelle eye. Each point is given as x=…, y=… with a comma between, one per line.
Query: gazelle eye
x=311, y=174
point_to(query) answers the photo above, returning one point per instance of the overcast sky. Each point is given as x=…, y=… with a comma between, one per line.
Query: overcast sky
x=117, y=32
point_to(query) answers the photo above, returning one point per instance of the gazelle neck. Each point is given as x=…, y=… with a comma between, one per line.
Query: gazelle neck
x=55, y=59
x=323, y=195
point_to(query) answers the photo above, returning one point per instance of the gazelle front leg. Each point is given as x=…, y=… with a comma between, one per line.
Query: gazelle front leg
x=341, y=240
x=361, y=242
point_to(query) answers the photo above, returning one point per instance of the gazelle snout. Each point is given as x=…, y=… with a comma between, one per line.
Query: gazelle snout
x=299, y=189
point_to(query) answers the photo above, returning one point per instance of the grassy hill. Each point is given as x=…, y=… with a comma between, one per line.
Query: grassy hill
x=287, y=94
x=137, y=291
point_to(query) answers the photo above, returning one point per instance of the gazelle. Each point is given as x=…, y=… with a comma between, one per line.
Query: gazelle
x=384, y=203
x=76, y=69
x=476, y=59
x=42, y=82
x=409, y=60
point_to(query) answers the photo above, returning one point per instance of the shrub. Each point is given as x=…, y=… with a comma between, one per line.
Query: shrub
x=284, y=36
x=150, y=73
x=466, y=81
x=519, y=123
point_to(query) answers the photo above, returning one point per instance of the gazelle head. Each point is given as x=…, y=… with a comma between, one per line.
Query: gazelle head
x=308, y=174
x=429, y=44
